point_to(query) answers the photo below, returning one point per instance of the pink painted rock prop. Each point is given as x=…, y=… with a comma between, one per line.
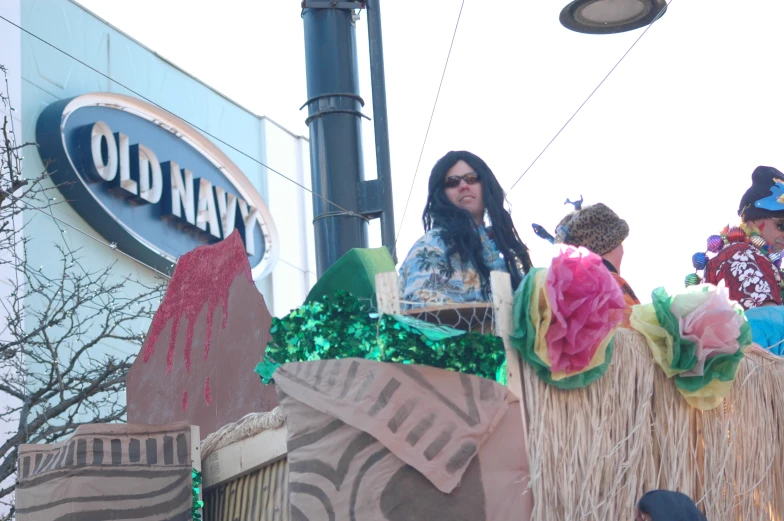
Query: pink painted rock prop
x=209, y=333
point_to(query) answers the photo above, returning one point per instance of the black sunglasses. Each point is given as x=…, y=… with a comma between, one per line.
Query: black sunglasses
x=454, y=180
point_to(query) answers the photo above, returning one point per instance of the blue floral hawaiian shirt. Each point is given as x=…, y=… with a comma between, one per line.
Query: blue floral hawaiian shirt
x=427, y=279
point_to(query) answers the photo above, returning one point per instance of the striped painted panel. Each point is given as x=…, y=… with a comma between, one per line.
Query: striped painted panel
x=370, y=441
x=262, y=495
x=105, y=472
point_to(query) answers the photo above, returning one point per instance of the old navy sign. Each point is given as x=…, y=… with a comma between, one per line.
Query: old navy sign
x=150, y=182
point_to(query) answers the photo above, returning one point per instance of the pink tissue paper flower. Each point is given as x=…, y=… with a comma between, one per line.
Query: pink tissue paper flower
x=714, y=326
x=586, y=303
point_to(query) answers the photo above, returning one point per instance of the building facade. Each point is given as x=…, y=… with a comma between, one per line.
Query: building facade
x=79, y=54
x=64, y=53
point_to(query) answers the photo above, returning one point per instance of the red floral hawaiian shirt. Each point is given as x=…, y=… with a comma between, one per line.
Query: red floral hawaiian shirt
x=750, y=278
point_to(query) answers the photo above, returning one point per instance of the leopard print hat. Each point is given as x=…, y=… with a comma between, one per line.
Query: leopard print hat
x=595, y=227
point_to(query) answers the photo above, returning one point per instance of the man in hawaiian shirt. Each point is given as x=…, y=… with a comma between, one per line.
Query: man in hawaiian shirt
x=752, y=278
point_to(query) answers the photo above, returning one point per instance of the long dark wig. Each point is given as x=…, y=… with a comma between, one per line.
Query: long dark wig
x=458, y=229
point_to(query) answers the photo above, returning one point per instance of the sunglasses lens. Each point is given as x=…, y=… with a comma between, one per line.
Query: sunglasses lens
x=453, y=181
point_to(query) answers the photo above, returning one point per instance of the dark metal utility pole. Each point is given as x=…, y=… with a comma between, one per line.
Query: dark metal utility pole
x=380, y=124
x=334, y=112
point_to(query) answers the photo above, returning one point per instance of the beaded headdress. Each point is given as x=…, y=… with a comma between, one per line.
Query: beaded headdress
x=730, y=235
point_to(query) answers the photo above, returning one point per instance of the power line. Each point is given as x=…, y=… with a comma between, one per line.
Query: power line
x=590, y=96
x=112, y=246
x=427, y=132
x=145, y=98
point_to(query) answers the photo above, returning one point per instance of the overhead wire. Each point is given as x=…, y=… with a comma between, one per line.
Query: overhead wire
x=112, y=245
x=424, y=143
x=145, y=98
x=589, y=96
x=429, y=123
x=51, y=215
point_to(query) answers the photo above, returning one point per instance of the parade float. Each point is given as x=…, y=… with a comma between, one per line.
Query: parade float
x=535, y=406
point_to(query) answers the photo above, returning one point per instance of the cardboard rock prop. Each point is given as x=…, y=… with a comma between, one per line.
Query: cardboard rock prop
x=371, y=440
x=209, y=333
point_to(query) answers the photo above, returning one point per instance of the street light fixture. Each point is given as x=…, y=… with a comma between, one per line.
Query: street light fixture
x=610, y=16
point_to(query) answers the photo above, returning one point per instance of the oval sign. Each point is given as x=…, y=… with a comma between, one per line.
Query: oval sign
x=150, y=182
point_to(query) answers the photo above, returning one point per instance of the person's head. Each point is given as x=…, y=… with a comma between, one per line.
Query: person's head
x=762, y=206
x=462, y=190
x=667, y=505
x=597, y=228
x=462, y=183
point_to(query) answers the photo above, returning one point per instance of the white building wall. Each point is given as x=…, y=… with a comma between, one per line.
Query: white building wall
x=249, y=140
x=292, y=210
x=45, y=75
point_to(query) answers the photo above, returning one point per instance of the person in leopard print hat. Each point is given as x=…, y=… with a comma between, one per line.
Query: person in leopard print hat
x=597, y=228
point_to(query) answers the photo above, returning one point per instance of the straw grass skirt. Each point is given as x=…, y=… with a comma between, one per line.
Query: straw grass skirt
x=594, y=451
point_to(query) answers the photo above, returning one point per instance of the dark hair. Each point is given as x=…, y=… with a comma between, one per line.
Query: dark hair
x=457, y=225
x=669, y=504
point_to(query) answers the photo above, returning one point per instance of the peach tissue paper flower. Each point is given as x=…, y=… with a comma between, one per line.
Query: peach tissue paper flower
x=709, y=319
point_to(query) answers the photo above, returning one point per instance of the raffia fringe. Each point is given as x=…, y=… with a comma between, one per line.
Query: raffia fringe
x=594, y=451
x=247, y=426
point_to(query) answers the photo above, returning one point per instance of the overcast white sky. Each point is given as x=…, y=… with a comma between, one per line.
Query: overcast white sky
x=669, y=141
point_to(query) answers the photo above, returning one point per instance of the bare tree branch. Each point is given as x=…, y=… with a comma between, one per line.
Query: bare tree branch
x=68, y=334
